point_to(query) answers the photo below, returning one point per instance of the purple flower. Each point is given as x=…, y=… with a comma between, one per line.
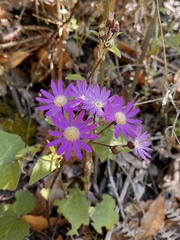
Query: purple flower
x=71, y=134
x=140, y=145
x=80, y=92
x=96, y=100
x=122, y=117
x=56, y=102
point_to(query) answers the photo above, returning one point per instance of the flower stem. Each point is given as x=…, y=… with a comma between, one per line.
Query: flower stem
x=102, y=144
x=97, y=64
x=105, y=128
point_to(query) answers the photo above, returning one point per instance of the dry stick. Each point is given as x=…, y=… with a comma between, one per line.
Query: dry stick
x=87, y=171
x=129, y=175
x=60, y=33
x=141, y=58
x=115, y=191
x=163, y=43
x=58, y=171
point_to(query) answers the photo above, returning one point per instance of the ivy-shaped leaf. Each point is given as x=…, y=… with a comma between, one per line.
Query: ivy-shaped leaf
x=24, y=203
x=104, y=214
x=74, y=77
x=10, y=168
x=107, y=137
x=12, y=225
x=44, y=167
x=75, y=208
x=115, y=50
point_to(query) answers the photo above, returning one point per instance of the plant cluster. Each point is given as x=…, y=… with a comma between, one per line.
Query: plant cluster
x=76, y=111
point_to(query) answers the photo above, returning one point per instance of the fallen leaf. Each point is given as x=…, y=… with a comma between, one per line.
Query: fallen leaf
x=40, y=223
x=59, y=237
x=153, y=220
x=177, y=80
x=16, y=58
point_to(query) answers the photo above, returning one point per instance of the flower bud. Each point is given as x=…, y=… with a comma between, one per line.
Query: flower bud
x=109, y=23
x=115, y=29
x=116, y=149
x=102, y=34
x=130, y=145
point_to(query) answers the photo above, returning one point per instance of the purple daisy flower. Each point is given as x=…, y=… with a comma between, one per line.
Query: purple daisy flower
x=56, y=102
x=141, y=146
x=122, y=117
x=71, y=134
x=80, y=92
x=96, y=100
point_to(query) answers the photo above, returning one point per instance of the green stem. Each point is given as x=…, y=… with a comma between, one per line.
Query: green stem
x=101, y=144
x=97, y=64
x=105, y=128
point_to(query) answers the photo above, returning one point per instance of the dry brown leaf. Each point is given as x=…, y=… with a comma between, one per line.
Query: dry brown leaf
x=56, y=193
x=39, y=223
x=59, y=237
x=16, y=58
x=153, y=220
x=177, y=80
x=118, y=236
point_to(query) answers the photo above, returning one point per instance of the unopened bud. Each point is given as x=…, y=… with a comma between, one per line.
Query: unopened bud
x=115, y=28
x=109, y=23
x=102, y=27
x=116, y=149
x=102, y=34
x=130, y=145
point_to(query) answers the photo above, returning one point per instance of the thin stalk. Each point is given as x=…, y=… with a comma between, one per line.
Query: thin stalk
x=105, y=128
x=97, y=64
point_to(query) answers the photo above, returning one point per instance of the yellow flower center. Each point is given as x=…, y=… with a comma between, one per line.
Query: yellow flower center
x=136, y=143
x=98, y=104
x=120, y=118
x=71, y=133
x=60, y=101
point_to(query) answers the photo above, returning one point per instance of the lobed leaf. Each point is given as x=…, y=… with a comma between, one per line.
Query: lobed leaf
x=75, y=209
x=104, y=214
x=10, y=168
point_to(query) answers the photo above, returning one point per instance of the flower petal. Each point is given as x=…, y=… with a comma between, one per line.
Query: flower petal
x=54, y=88
x=77, y=150
x=46, y=94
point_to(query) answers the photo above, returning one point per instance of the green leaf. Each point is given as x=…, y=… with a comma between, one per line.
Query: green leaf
x=115, y=50
x=12, y=226
x=10, y=169
x=10, y=145
x=75, y=209
x=104, y=214
x=103, y=152
x=74, y=77
x=10, y=174
x=44, y=167
x=27, y=154
x=45, y=192
x=107, y=137
x=25, y=202
x=119, y=33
